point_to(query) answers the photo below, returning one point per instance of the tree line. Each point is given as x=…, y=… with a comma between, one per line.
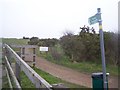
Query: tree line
x=43, y=42
x=85, y=46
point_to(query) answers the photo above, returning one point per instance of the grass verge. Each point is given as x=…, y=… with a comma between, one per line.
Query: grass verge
x=54, y=80
x=26, y=83
x=85, y=67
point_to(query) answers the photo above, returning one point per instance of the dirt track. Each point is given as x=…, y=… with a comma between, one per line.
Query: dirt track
x=70, y=75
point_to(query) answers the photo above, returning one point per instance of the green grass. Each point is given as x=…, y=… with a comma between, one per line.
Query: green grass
x=15, y=41
x=85, y=67
x=49, y=78
x=54, y=80
x=26, y=83
x=5, y=83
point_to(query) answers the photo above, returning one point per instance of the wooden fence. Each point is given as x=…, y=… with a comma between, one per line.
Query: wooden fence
x=36, y=79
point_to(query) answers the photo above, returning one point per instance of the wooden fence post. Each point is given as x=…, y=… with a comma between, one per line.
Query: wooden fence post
x=17, y=72
x=23, y=53
x=33, y=57
x=8, y=55
x=33, y=50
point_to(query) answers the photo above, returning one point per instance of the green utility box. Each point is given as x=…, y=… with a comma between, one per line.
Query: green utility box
x=97, y=81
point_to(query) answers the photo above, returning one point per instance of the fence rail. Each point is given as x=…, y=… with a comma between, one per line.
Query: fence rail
x=12, y=74
x=9, y=80
x=37, y=80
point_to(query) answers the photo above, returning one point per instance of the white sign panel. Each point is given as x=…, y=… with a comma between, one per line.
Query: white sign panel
x=44, y=49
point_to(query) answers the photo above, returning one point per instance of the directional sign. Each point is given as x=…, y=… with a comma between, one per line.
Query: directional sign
x=94, y=19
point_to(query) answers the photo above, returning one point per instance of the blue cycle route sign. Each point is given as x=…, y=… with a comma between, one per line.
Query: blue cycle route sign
x=94, y=19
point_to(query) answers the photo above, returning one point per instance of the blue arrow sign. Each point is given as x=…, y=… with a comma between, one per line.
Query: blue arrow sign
x=94, y=19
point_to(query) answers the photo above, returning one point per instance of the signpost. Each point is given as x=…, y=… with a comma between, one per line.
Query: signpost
x=97, y=19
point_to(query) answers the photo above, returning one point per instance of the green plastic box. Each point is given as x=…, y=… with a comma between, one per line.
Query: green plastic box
x=97, y=81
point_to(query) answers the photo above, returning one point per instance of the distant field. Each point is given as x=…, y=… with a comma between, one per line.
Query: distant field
x=15, y=41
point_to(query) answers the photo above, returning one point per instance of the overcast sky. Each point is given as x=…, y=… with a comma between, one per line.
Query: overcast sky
x=51, y=18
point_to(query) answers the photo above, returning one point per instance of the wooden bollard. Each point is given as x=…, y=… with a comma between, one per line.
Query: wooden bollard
x=33, y=57
x=33, y=61
x=23, y=53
